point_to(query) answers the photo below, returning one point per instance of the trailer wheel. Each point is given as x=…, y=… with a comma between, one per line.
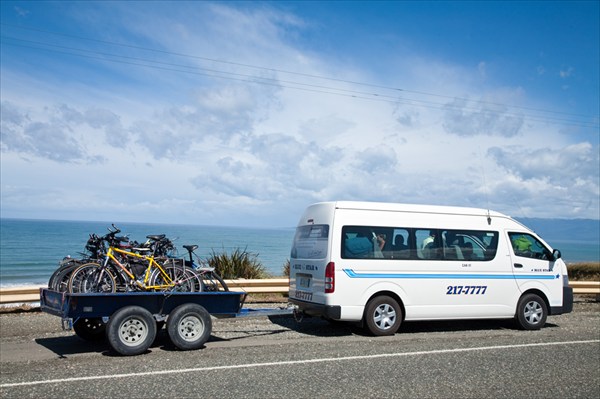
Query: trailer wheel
x=383, y=315
x=90, y=329
x=131, y=330
x=531, y=312
x=189, y=326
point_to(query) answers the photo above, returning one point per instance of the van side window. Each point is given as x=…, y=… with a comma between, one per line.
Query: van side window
x=371, y=242
x=472, y=245
x=528, y=246
x=359, y=242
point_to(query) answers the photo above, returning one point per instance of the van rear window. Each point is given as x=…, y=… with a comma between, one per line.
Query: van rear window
x=310, y=242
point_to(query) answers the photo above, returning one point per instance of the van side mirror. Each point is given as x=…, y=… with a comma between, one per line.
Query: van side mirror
x=556, y=254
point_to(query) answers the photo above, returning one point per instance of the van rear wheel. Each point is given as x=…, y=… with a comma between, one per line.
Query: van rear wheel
x=383, y=316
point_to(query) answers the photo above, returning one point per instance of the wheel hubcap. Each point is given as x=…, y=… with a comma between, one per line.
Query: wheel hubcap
x=384, y=316
x=190, y=328
x=133, y=331
x=533, y=312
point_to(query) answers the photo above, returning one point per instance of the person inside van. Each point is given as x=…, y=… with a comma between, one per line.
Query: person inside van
x=357, y=246
x=467, y=250
x=381, y=241
x=399, y=248
x=429, y=240
x=399, y=243
x=521, y=245
x=378, y=244
x=432, y=248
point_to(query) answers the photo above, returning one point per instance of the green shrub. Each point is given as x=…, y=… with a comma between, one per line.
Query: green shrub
x=589, y=271
x=239, y=264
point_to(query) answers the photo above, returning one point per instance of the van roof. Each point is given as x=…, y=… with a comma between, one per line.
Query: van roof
x=415, y=208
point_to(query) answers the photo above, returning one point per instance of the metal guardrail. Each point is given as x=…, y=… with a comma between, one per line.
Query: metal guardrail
x=254, y=286
x=585, y=287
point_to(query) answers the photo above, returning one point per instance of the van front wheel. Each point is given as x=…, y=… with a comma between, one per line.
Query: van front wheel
x=383, y=316
x=531, y=312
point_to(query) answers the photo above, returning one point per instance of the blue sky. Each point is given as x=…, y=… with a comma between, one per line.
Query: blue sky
x=243, y=113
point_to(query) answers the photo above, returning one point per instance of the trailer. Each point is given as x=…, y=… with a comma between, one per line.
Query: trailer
x=130, y=320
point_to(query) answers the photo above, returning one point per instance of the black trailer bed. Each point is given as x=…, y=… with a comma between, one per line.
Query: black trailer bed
x=96, y=305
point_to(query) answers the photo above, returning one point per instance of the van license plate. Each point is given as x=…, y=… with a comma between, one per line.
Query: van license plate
x=303, y=282
x=305, y=296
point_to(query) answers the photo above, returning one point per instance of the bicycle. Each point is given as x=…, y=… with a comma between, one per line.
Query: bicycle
x=210, y=279
x=59, y=280
x=121, y=264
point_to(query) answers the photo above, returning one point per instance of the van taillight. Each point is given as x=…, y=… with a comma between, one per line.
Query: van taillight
x=330, y=278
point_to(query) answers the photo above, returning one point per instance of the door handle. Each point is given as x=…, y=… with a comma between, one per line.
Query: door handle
x=518, y=265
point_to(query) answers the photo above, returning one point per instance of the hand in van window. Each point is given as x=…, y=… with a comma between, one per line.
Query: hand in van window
x=381, y=240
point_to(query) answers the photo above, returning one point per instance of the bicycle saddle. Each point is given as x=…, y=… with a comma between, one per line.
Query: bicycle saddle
x=156, y=237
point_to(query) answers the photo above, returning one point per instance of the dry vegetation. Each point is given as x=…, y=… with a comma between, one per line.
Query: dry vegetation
x=587, y=271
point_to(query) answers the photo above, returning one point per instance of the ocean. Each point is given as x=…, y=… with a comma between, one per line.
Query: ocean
x=30, y=250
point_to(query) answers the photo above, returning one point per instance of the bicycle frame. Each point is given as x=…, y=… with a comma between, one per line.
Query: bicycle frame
x=152, y=264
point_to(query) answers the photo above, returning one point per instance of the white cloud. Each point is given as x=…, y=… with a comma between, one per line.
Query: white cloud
x=565, y=180
x=485, y=119
x=556, y=164
x=177, y=147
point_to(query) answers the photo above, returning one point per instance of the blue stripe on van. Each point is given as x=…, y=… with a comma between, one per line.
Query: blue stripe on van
x=352, y=274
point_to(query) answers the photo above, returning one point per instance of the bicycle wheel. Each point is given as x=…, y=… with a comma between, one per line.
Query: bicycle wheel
x=59, y=280
x=211, y=281
x=91, y=277
x=183, y=279
x=61, y=283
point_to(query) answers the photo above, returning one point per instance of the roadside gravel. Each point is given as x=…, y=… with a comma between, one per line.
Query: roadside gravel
x=34, y=324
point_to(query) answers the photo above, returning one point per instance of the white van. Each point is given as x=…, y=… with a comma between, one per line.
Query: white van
x=385, y=263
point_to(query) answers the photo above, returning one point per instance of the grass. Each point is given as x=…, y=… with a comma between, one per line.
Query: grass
x=238, y=264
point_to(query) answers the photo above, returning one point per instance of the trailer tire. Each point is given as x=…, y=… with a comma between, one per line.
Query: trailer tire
x=383, y=315
x=91, y=329
x=189, y=326
x=131, y=330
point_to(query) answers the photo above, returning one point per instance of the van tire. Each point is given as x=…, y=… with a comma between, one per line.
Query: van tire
x=531, y=312
x=383, y=316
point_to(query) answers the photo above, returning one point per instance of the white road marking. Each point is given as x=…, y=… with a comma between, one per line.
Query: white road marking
x=294, y=362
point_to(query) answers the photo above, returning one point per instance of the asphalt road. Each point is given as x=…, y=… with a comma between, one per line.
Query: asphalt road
x=280, y=358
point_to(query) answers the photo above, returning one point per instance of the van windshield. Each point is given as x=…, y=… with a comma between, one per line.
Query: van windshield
x=310, y=242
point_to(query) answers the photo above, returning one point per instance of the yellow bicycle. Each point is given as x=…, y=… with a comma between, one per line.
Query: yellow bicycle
x=126, y=270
